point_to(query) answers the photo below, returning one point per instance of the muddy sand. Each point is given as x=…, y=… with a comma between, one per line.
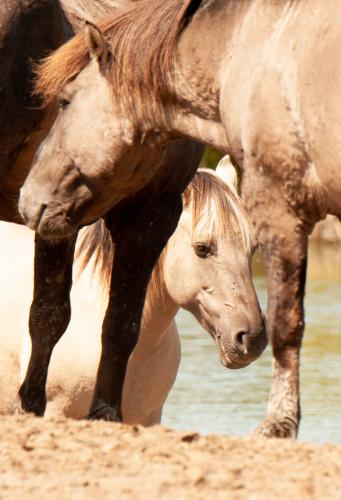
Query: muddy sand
x=65, y=459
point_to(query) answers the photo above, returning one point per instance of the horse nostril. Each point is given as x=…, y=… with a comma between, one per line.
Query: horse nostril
x=241, y=338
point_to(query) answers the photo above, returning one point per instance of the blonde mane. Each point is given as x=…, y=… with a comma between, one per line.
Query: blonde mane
x=216, y=210
x=216, y=213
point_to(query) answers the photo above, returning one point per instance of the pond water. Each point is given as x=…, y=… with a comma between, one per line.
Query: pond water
x=209, y=398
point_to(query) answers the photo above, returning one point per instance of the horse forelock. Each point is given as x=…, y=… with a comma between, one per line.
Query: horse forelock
x=142, y=39
x=58, y=69
x=216, y=211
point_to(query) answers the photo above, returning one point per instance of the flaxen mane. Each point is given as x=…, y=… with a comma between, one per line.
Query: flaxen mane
x=216, y=212
x=142, y=38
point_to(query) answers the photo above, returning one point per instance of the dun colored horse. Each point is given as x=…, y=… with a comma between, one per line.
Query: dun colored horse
x=185, y=276
x=258, y=79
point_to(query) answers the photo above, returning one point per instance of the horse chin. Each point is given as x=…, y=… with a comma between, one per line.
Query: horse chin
x=228, y=361
x=56, y=226
x=232, y=365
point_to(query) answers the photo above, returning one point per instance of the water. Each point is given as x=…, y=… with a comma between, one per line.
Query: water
x=209, y=398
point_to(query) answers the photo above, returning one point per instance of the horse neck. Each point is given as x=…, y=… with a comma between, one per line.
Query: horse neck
x=160, y=308
x=202, y=56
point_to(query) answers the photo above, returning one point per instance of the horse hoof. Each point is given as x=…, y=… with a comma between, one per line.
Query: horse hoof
x=273, y=428
x=28, y=402
x=18, y=408
x=103, y=411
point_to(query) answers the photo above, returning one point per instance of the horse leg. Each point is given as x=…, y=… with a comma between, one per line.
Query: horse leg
x=284, y=246
x=49, y=316
x=151, y=373
x=285, y=259
x=137, y=249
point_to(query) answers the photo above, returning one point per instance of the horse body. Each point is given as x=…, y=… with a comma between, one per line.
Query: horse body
x=255, y=78
x=290, y=84
x=274, y=109
x=187, y=275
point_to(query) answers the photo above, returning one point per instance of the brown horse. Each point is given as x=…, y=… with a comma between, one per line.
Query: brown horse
x=256, y=78
x=29, y=30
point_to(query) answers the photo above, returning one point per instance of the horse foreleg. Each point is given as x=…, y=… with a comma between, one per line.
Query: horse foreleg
x=49, y=316
x=137, y=249
x=151, y=373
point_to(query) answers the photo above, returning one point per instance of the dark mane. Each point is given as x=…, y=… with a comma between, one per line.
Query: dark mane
x=142, y=38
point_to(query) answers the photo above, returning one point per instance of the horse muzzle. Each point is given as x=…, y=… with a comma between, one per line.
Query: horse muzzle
x=50, y=221
x=242, y=346
x=51, y=218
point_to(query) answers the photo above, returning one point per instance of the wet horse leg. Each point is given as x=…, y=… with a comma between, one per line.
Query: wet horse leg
x=284, y=246
x=49, y=316
x=137, y=249
x=286, y=270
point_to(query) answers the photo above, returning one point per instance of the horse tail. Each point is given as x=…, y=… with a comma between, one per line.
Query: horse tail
x=96, y=243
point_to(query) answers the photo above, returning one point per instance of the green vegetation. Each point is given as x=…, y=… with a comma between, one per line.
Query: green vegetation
x=211, y=158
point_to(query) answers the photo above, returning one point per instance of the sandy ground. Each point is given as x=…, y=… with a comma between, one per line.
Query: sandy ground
x=67, y=459
x=63, y=459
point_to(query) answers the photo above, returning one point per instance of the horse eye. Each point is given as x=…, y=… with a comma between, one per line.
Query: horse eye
x=202, y=250
x=63, y=103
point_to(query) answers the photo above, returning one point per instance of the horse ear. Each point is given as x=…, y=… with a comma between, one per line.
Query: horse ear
x=227, y=173
x=96, y=42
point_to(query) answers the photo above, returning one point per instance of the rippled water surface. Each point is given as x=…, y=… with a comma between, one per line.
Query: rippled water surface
x=210, y=398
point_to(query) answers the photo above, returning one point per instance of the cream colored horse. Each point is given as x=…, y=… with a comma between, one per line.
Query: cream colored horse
x=185, y=277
